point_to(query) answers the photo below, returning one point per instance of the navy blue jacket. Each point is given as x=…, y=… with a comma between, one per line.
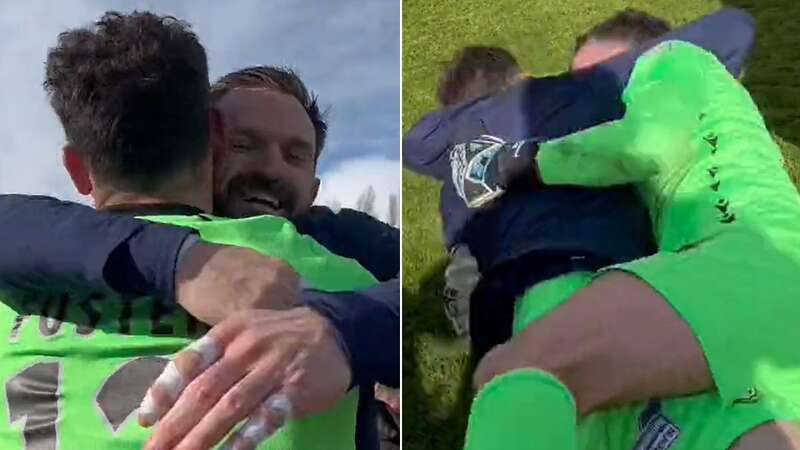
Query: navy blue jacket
x=611, y=224
x=356, y=235
x=55, y=246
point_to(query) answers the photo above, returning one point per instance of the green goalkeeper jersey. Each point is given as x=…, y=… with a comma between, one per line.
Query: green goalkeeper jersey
x=74, y=370
x=695, y=145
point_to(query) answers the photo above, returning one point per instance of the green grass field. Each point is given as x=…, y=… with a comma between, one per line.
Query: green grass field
x=541, y=34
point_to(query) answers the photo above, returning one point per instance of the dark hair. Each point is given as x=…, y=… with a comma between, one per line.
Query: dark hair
x=132, y=95
x=281, y=79
x=475, y=72
x=630, y=25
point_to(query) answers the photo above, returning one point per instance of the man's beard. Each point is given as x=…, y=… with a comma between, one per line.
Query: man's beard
x=252, y=194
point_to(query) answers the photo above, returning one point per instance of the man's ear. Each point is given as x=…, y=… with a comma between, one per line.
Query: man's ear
x=315, y=189
x=218, y=135
x=77, y=169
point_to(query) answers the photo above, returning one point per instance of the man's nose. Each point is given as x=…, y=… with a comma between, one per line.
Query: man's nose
x=270, y=158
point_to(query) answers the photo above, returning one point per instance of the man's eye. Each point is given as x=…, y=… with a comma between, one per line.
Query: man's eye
x=240, y=147
x=299, y=155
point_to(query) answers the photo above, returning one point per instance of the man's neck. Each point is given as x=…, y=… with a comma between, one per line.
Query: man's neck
x=126, y=200
x=187, y=194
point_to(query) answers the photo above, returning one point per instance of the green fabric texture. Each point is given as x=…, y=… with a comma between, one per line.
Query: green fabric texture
x=742, y=310
x=699, y=422
x=510, y=405
x=524, y=409
x=691, y=139
x=546, y=296
x=696, y=147
x=91, y=380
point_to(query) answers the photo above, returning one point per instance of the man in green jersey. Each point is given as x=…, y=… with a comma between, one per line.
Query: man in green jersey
x=132, y=96
x=725, y=216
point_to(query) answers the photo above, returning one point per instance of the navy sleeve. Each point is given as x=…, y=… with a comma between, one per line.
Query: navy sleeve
x=374, y=244
x=426, y=146
x=728, y=33
x=51, y=245
x=369, y=324
x=356, y=235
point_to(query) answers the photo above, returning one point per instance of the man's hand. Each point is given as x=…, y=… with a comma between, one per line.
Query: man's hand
x=274, y=364
x=501, y=359
x=483, y=168
x=215, y=281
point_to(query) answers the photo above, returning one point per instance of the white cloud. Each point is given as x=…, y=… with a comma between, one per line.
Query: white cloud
x=347, y=52
x=347, y=180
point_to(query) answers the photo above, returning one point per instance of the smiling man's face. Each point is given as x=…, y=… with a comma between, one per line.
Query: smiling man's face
x=269, y=166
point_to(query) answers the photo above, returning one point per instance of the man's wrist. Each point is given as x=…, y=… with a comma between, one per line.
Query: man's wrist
x=339, y=333
x=369, y=324
x=537, y=174
x=188, y=243
x=518, y=162
x=333, y=332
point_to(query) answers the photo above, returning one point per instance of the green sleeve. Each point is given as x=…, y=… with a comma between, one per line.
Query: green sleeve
x=664, y=101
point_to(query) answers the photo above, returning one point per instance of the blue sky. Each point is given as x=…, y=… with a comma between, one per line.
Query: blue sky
x=348, y=52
